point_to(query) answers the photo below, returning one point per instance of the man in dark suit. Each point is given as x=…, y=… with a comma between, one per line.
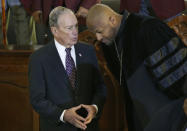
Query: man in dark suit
x=66, y=88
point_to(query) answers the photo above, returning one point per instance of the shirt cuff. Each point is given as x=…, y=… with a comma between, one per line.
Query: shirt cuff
x=62, y=116
x=95, y=108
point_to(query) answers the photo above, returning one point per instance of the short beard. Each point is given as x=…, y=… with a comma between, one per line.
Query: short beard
x=109, y=44
x=112, y=38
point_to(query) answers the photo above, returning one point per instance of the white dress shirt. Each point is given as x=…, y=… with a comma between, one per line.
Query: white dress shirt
x=62, y=53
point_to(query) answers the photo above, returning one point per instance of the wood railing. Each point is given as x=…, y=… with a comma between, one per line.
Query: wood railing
x=179, y=24
x=16, y=111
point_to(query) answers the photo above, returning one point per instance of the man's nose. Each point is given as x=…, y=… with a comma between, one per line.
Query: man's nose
x=75, y=31
x=99, y=36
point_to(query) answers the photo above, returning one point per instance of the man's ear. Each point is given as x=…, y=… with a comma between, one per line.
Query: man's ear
x=54, y=30
x=112, y=20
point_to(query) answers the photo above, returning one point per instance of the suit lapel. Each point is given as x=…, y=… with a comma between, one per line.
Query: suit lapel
x=79, y=59
x=60, y=70
x=57, y=64
x=79, y=54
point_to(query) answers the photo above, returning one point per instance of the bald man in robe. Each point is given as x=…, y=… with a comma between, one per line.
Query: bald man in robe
x=151, y=57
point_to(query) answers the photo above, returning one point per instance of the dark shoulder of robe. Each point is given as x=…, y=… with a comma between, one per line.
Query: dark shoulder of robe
x=175, y=120
x=140, y=37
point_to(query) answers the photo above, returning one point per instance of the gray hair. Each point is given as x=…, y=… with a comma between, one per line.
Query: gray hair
x=54, y=15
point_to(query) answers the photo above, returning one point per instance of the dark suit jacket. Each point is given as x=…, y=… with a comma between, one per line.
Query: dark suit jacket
x=47, y=5
x=50, y=90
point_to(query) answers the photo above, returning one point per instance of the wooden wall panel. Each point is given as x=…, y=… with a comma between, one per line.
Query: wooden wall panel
x=16, y=111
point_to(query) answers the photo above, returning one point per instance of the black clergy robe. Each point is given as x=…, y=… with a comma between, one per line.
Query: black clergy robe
x=170, y=118
x=152, y=56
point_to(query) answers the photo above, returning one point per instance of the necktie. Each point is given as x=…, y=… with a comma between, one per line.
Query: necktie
x=70, y=67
